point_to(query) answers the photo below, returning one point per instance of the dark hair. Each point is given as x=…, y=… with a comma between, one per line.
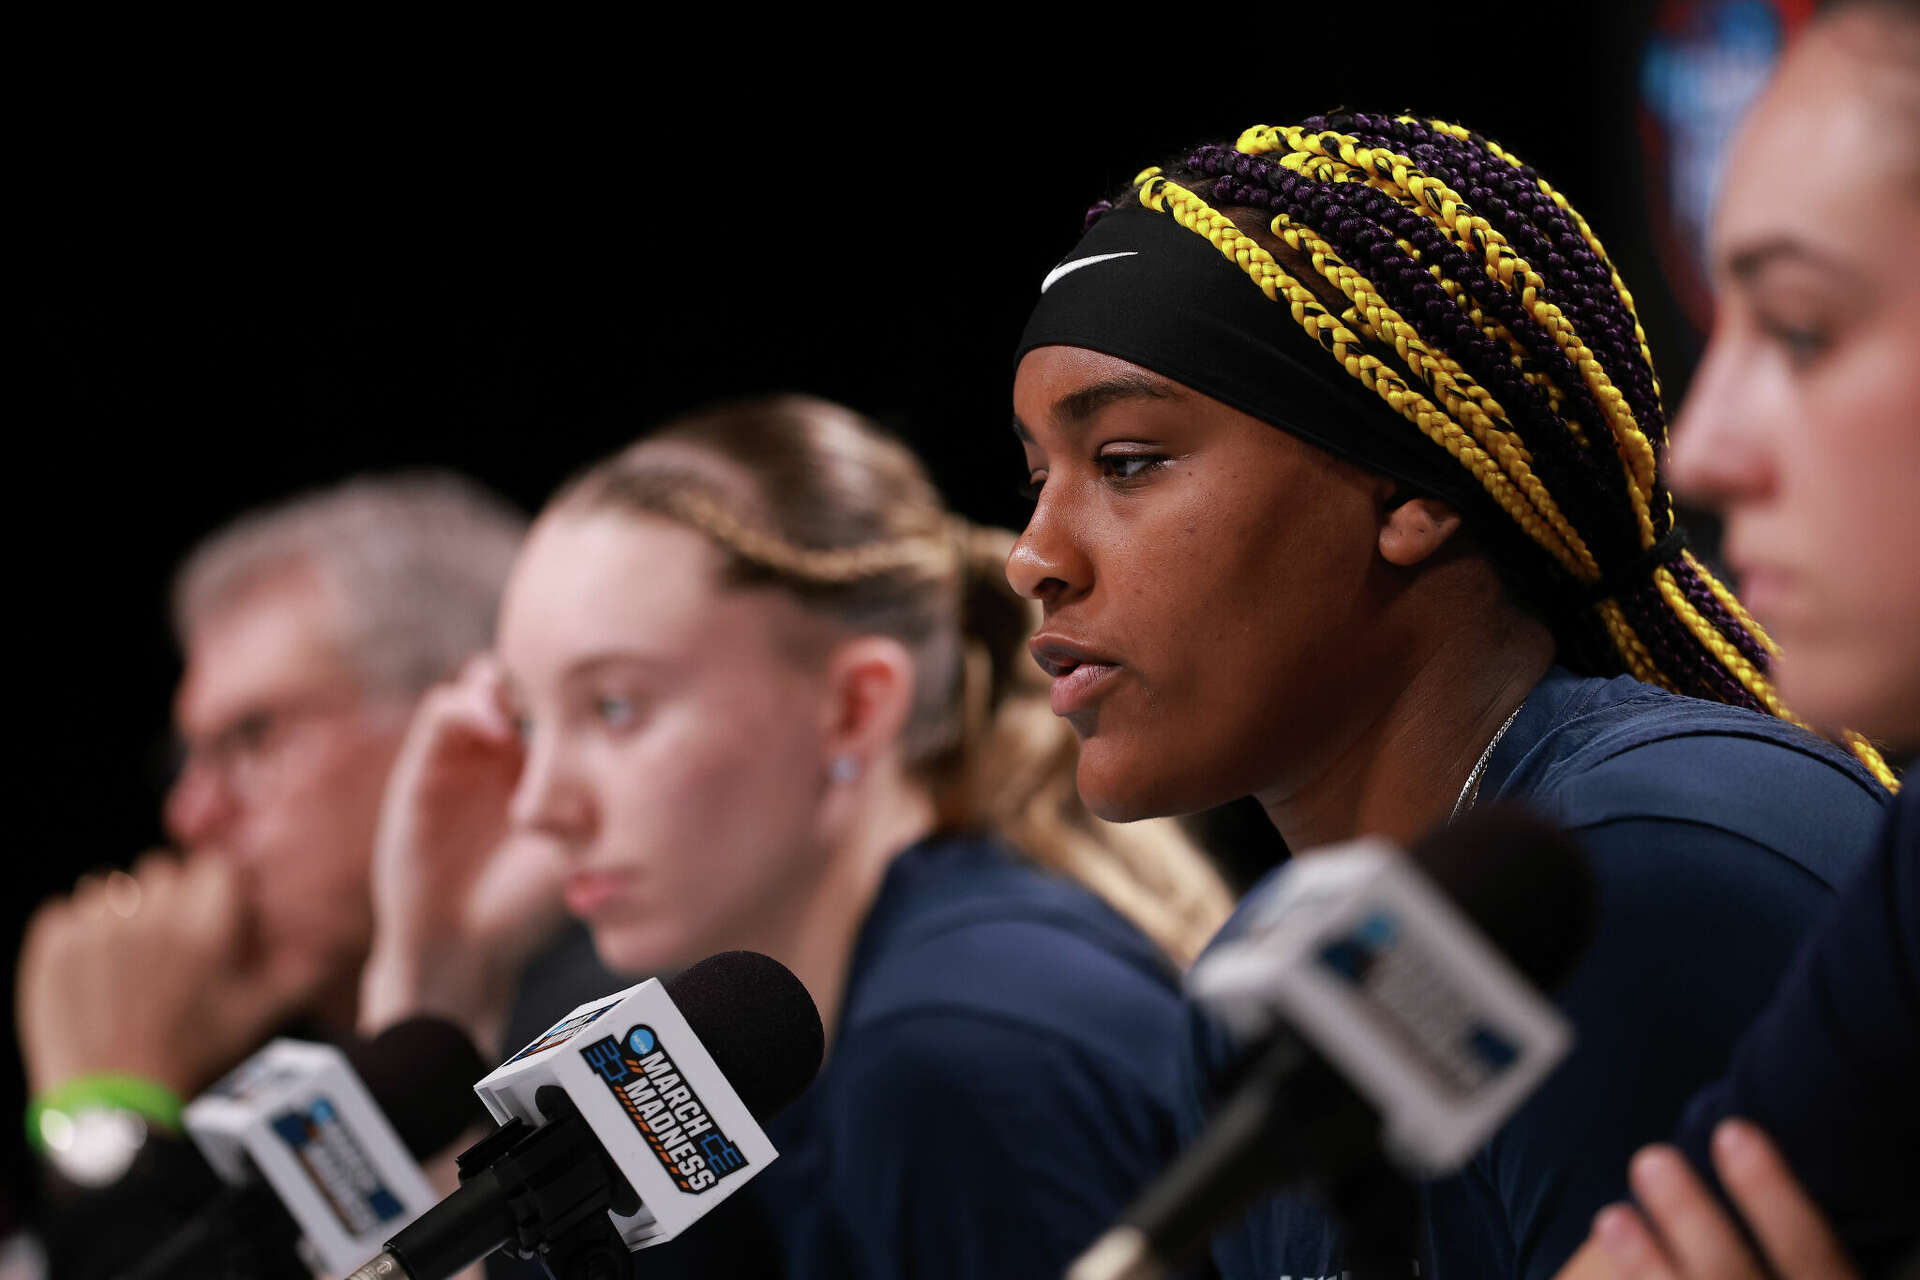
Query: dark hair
x=1453, y=282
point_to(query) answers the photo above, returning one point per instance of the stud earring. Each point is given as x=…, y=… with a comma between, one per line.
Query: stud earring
x=843, y=769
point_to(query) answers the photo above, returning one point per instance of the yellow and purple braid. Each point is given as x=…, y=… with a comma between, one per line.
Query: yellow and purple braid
x=1465, y=292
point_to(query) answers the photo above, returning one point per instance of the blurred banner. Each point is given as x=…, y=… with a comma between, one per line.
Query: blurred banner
x=1704, y=62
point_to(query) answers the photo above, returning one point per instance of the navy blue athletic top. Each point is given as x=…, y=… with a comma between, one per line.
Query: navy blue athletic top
x=1000, y=1084
x=1832, y=1068
x=1716, y=837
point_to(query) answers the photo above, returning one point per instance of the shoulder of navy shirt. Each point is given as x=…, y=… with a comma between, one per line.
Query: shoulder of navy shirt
x=1716, y=836
x=998, y=1086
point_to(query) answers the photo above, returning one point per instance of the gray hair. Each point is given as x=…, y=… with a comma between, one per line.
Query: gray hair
x=415, y=564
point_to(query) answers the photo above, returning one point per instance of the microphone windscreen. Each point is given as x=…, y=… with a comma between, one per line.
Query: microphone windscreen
x=757, y=1022
x=421, y=1073
x=1523, y=881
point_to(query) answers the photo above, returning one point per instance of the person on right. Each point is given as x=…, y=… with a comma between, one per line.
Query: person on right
x=1346, y=449
x=1803, y=429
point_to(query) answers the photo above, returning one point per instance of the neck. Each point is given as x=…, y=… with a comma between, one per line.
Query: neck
x=872, y=819
x=1398, y=767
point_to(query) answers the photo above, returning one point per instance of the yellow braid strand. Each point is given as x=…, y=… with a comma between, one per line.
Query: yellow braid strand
x=1732, y=604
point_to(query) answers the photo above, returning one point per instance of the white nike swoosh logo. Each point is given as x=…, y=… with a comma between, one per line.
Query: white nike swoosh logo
x=1068, y=268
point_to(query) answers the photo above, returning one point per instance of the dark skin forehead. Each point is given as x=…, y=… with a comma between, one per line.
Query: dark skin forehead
x=1075, y=409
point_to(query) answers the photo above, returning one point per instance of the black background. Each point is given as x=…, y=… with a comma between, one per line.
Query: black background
x=258, y=261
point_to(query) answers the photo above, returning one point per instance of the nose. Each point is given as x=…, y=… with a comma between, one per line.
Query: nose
x=200, y=806
x=1720, y=454
x=550, y=798
x=1047, y=562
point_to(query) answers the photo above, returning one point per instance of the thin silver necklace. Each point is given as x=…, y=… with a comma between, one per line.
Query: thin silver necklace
x=1470, y=790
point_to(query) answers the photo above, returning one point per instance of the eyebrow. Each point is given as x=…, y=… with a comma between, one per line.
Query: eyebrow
x=594, y=663
x=1751, y=261
x=1076, y=407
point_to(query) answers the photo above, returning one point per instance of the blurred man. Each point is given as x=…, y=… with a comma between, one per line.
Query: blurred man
x=308, y=632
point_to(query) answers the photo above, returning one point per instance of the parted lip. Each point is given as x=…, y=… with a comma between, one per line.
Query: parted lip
x=1057, y=655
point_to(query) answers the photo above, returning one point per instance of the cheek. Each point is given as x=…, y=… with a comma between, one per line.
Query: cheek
x=1244, y=618
x=1849, y=655
x=1849, y=484
x=317, y=830
x=709, y=808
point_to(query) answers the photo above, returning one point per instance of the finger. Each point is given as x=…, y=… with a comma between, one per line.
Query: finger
x=1790, y=1228
x=1698, y=1236
x=123, y=894
x=489, y=679
x=1628, y=1246
x=488, y=714
x=156, y=864
x=49, y=928
x=451, y=712
x=482, y=668
x=209, y=900
x=89, y=901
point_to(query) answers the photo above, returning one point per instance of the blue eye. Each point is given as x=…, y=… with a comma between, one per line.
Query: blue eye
x=617, y=713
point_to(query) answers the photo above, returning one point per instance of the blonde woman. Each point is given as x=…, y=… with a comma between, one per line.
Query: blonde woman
x=756, y=688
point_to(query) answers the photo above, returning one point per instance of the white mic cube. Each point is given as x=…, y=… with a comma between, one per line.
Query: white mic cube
x=1372, y=964
x=298, y=1114
x=655, y=1100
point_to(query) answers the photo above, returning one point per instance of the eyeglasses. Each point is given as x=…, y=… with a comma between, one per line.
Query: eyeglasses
x=253, y=748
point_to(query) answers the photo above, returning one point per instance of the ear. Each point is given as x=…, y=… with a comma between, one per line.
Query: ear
x=869, y=697
x=1414, y=528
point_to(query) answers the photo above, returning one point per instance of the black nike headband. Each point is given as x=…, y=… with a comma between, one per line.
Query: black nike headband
x=1141, y=287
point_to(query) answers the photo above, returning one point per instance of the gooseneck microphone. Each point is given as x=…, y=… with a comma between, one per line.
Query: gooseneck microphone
x=320, y=1144
x=624, y=1124
x=1388, y=1007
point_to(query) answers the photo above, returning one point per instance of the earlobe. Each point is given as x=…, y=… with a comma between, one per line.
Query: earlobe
x=1416, y=528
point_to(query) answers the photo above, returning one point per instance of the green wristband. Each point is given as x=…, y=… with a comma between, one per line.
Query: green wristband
x=160, y=1106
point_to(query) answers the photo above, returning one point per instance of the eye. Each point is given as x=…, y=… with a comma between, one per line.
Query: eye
x=1123, y=467
x=1802, y=343
x=522, y=726
x=613, y=711
x=1031, y=489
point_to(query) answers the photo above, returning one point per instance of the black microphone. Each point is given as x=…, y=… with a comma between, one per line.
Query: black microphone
x=1389, y=1005
x=624, y=1124
x=383, y=1104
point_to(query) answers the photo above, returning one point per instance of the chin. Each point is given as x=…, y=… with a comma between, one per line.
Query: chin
x=1118, y=788
x=641, y=949
x=1876, y=694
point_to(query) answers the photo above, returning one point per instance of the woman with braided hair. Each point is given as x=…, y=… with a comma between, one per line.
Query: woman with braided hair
x=1451, y=576
x=757, y=688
